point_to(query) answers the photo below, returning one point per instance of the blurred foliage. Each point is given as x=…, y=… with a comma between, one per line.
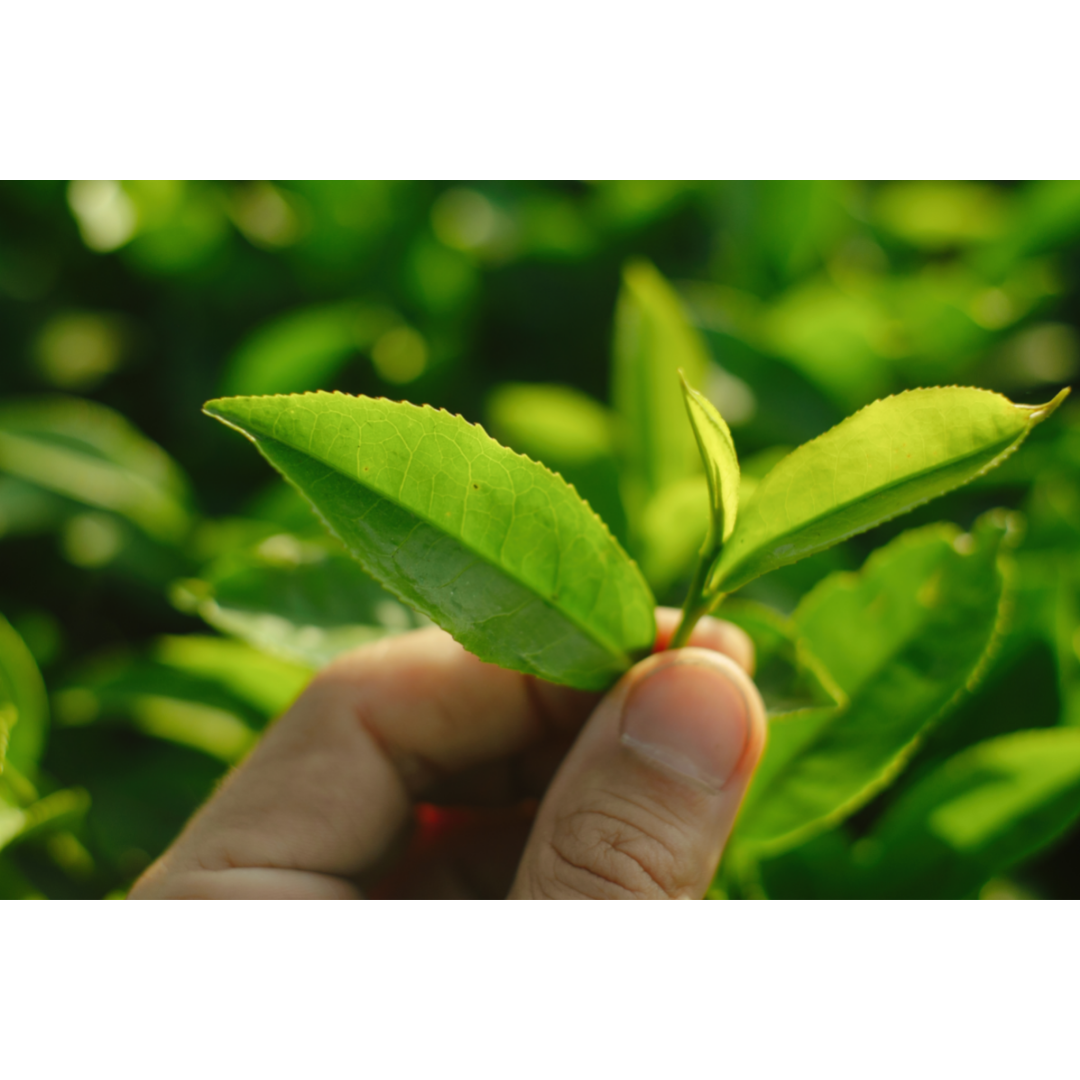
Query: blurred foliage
x=132, y=528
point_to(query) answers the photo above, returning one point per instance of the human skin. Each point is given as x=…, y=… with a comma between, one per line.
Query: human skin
x=638, y=788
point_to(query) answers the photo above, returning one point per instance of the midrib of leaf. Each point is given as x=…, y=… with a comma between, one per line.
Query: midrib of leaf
x=479, y=557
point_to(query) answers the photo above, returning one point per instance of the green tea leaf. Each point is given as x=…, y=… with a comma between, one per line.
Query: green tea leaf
x=55, y=811
x=571, y=433
x=110, y=686
x=23, y=703
x=935, y=214
x=975, y=816
x=885, y=460
x=215, y=732
x=210, y=694
x=828, y=335
x=554, y=423
x=720, y=460
x=903, y=639
x=303, y=349
x=653, y=340
x=264, y=682
x=90, y=454
x=295, y=599
x=791, y=679
x=488, y=544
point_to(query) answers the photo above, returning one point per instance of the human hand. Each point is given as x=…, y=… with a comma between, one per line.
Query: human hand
x=638, y=788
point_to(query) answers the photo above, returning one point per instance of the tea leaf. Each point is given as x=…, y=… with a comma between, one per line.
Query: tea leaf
x=791, y=679
x=303, y=349
x=266, y=683
x=885, y=460
x=571, y=433
x=903, y=639
x=60, y=809
x=653, y=340
x=24, y=707
x=975, y=816
x=296, y=600
x=216, y=732
x=491, y=546
x=89, y=453
x=720, y=460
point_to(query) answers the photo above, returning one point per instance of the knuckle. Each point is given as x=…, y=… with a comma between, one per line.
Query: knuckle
x=619, y=849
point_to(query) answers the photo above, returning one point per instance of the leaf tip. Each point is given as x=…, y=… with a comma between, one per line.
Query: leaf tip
x=1038, y=413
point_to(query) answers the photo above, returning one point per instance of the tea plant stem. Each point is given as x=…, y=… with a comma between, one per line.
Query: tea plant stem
x=697, y=604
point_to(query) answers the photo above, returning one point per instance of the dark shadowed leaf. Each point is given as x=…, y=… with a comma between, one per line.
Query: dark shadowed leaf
x=295, y=599
x=975, y=816
x=903, y=639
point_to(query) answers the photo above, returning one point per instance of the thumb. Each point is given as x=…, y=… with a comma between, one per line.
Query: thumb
x=644, y=802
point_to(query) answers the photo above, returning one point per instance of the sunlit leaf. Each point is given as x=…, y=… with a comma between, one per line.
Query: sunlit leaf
x=939, y=214
x=554, y=423
x=303, y=349
x=720, y=461
x=903, y=639
x=210, y=694
x=267, y=683
x=90, y=454
x=837, y=339
x=654, y=339
x=23, y=702
x=56, y=811
x=202, y=727
x=488, y=544
x=295, y=599
x=880, y=463
x=571, y=433
x=108, y=686
x=975, y=816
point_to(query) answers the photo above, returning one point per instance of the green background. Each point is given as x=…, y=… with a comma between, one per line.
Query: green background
x=149, y=298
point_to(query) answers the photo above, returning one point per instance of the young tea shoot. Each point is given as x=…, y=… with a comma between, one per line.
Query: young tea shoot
x=509, y=559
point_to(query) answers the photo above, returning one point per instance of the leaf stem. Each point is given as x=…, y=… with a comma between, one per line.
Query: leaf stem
x=697, y=604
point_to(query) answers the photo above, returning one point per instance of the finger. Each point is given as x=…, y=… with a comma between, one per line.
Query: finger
x=528, y=774
x=644, y=803
x=708, y=633
x=328, y=789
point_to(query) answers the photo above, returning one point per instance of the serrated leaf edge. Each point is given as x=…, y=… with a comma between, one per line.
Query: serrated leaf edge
x=524, y=457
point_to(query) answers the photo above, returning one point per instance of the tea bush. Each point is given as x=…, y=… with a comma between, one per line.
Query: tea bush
x=165, y=596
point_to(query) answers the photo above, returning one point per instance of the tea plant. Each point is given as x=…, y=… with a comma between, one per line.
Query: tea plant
x=507, y=557
x=167, y=596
